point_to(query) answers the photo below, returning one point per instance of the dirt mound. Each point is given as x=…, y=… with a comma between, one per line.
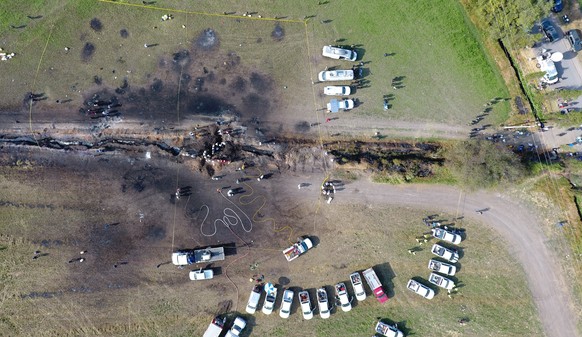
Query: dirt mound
x=207, y=40
x=124, y=33
x=88, y=51
x=96, y=25
x=278, y=33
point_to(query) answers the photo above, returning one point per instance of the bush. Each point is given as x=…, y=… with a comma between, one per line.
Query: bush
x=483, y=164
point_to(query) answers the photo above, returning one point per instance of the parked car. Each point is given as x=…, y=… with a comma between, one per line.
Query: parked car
x=305, y=302
x=201, y=274
x=337, y=90
x=388, y=330
x=441, y=281
x=270, y=298
x=336, y=105
x=420, y=289
x=342, y=294
x=237, y=326
x=286, y=304
x=442, y=267
x=358, y=286
x=550, y=31
x=445, y=253
x=558, y=6
x=323, y=303
x=575, y=40
x=339, y=53
x=336, y=75
x=254, y=299
x=446, y=235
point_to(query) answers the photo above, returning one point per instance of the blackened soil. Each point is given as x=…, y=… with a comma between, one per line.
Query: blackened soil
x=182, y=58
x=124, y=33
x=207, y=40
x=207, y=105
x=255, y=103
x=260, y=82
x=278, y=33
x=87, y=52
x=157, y=85
x=239, y=85
x=302, y=126
x=96, y=25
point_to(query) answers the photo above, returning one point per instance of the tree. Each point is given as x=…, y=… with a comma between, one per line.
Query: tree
x=510, y=20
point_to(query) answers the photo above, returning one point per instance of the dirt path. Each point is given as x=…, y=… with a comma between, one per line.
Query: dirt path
x=511, y=220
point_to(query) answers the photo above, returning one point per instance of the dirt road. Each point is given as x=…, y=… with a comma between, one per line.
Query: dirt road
x=510, y=219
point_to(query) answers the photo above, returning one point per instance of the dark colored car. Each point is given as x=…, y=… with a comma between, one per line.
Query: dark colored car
x=574, y=39
x=558, y=6
x=550, y=31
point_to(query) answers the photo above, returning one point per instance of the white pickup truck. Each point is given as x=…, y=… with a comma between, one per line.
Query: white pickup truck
x=442, y=267
x=323, y=303
x=201, y=274
x=286, y=303
x=446, y=253
x=420, y=289
x=342, y=294
x=441, y=281
x=446, y=235
x=388, y=330
x=270, y=298
x=336, y=105
x=305, y=304
x=358, y=286
x=297, y=249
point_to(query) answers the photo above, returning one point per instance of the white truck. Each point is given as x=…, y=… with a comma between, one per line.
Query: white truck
x=215, y=328
x=441, y=281
x=547, y=65
x=186, y=257
x=388, y=330
x=297, y=249
x=323, y=303
x=305, y=304
x=254, y=299
x=342, y=294
x=445, y=253
x=270, y=299
x=201, y=274
x=420, y=289
x=337, y=90
x=442, y=267
x=374, y=283
x=339, y=53
x=336, y=75
x=336, y=105
x=237, y=326
x=286, y=303
x=358, y=286
x=447, y=235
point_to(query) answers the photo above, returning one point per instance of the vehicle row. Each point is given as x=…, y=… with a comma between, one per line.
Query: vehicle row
x=341, y=295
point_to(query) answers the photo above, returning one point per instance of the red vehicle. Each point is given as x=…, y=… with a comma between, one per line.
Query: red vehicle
x=375, y=285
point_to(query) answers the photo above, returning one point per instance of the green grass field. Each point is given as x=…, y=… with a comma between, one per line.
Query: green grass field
x=446, y=76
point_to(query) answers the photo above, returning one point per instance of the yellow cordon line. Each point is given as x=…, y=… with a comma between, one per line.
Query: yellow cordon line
x=199, y=13
x=34, y=84
x=317, y=114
